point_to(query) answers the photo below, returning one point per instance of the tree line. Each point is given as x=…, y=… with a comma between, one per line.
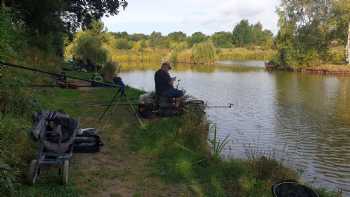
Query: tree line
x=244, y=34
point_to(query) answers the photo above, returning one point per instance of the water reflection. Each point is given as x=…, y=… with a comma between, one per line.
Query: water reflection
x=303, y=120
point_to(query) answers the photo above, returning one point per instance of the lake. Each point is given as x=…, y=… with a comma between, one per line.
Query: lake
x=300, y=119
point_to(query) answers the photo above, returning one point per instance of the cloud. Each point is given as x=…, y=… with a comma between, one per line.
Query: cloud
x=192, y=15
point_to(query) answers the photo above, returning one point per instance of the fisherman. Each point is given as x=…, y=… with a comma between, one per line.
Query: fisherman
x=164, y=84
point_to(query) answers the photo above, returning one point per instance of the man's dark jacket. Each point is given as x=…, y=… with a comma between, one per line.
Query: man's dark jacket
x=162, y=81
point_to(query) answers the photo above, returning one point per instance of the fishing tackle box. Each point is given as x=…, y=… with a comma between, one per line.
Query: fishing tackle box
x=87, y=141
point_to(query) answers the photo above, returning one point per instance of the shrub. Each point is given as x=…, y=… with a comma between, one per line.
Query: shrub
x=123, y=44
x=9, y=37
x=109, y=70
x=203, y=53
x=88, y=47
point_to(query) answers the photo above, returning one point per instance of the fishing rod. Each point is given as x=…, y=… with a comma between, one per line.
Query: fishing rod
x=229, y=106
x=5, y=64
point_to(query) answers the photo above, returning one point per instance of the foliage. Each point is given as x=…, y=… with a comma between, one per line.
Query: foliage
x=123, y=44
x=88, y=48
x=196, y=38
x=9, y=37
x=222, y=39
x=109, y=70
x=51, y=16
x=203, y=53
x=177, y=36
x=245, y=34
x=47, y=22
x=307, y=30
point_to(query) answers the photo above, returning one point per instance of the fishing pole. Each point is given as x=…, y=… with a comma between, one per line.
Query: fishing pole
x=5, y=64
x=229, y=106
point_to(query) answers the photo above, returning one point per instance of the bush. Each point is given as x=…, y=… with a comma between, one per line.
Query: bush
x=109, y=70
x=9, y=37
x=123, y=44
x=336, y=55
x=15, y=150
x=203, y=53
x=88, y=48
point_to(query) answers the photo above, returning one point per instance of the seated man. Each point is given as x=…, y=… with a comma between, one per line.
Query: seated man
x=165, y=84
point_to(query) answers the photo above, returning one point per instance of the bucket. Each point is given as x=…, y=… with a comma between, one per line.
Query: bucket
x=292, y=189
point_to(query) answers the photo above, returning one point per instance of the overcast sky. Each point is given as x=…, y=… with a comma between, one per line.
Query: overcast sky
x=207, y=16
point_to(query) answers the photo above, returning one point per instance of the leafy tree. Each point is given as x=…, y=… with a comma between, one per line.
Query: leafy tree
x=245, y=34
x=123, y=34
x=177, y=36
x=123, y=43
x=155, y=39
x=9, y=37
x=304, y=31
x=46, y=22
x=197, y=37
x=44, y=16
x=89, y=49
x=137, y=37
x=222, y=39
x=242, y=34
x=341, y=17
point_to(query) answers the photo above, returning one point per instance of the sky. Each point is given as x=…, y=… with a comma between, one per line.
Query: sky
x=189, y=16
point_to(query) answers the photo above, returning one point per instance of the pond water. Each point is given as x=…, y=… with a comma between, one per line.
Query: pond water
x=300, y=119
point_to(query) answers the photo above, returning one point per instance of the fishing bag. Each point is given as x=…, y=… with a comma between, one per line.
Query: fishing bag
x=87, y=141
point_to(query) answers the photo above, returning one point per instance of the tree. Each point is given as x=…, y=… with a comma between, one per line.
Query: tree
x=245, y=34
x=137, y=37
x=46, y=22
x=348, y=46
x=89, y=49
x=42, y=15
x=341, y=17
x=304, y=35
x=177, y=36
x=242, y=34
x=123, y=43
x=155, y=39
x=197, y=37
x=222, y=39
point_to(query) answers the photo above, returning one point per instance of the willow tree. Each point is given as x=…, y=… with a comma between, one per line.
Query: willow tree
x=203, y=53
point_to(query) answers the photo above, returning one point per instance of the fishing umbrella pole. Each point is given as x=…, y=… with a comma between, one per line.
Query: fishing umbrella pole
x=5, y=64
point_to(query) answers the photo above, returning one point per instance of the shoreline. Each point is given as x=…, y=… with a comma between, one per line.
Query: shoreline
x=325, y=69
